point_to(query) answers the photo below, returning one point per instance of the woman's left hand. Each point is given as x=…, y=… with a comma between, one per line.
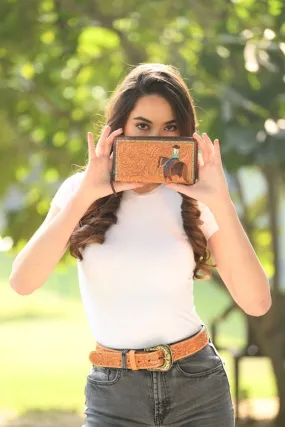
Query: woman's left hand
x=211, y=187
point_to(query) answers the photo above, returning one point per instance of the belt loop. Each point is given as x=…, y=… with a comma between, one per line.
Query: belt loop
x=124, y=359
x=133, y=360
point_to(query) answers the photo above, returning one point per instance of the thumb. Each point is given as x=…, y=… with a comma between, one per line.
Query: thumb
x=200, y=160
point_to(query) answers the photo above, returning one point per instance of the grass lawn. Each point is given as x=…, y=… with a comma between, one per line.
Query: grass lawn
x=45, y=342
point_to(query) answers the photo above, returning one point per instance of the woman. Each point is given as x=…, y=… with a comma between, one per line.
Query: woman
x=138, y=252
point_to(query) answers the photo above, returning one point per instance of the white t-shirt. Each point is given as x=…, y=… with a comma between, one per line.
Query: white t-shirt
x=137, y=287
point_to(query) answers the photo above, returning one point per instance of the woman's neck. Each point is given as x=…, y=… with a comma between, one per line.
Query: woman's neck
x=146, y=188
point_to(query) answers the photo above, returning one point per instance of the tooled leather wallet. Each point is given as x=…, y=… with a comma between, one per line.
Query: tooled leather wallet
x=155, y=159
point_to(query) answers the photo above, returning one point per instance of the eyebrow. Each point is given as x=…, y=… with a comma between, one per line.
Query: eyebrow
x=149, y=121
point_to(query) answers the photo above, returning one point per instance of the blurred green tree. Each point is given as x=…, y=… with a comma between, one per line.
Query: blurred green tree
x=60, y=60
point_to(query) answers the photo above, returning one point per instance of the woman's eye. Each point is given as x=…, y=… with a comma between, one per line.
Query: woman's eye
x=142, y=124
x=173, y=128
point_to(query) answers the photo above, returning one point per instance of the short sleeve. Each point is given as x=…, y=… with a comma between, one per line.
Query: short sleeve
x=66, y=190
x=210, y=226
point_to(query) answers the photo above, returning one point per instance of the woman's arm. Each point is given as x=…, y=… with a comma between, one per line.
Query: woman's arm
x=237, y=262
x=37, y=260
x=34, y=264
x=232, y=251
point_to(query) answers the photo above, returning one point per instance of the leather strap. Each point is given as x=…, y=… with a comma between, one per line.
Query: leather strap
x=137, y=359
x=113, y=188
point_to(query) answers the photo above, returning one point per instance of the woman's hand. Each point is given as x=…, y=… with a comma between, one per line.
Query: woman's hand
x=211, y=187
x=96, y=180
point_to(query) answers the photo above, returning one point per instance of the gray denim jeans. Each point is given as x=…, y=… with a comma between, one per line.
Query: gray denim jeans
x=195, y=392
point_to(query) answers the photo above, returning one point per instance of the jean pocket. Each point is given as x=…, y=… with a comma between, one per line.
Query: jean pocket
x=201, y=364
x=103, y=376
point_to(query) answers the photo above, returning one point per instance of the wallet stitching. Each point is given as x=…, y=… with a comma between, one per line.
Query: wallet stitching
x=158, y=139
x=115, y=161
x=151, y=142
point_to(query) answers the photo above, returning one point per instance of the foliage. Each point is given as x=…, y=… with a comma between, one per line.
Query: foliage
x=60, y=60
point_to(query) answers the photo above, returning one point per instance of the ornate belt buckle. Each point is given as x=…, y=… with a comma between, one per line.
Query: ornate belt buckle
x=168, y=360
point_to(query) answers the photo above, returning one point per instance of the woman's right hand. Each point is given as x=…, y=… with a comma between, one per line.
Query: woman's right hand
x=96, y=180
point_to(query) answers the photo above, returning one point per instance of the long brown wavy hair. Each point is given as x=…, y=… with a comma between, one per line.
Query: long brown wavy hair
x=146, y=79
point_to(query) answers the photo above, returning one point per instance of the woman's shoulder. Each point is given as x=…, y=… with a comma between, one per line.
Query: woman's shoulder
x=73, y=180
x=66, y=189
x=209, y=226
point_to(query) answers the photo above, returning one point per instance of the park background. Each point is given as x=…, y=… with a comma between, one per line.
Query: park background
x=60, y=61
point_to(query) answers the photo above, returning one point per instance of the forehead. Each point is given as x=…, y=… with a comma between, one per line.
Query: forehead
x=153, y=107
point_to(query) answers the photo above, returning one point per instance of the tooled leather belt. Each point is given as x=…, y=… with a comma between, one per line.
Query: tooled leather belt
x=158, y=358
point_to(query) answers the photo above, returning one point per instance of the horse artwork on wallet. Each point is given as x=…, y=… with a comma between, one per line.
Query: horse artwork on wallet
x=173, y=166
